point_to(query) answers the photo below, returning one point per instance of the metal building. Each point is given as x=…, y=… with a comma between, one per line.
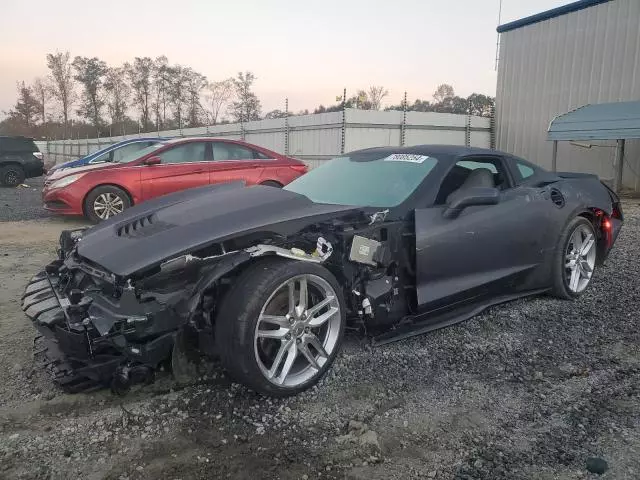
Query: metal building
x=586, y=52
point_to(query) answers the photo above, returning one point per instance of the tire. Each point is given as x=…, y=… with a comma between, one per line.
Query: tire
x=564, y=284
x=249, y=357
x=272, y=183
x=11, y=175
x=115, y=200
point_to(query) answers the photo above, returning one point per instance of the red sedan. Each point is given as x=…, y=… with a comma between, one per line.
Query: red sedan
x=103, y=190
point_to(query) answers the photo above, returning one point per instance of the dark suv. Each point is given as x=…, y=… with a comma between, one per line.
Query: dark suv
x=20, y=158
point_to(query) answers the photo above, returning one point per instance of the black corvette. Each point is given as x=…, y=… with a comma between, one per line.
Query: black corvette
x=391, y=241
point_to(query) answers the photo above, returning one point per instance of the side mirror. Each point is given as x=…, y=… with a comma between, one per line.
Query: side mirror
x=155, y=160
x=470, y=197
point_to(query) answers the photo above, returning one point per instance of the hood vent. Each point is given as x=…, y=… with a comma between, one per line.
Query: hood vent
x=557, y=198
x=138, y=227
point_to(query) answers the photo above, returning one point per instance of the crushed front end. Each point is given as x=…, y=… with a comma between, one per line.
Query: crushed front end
x=97, y=329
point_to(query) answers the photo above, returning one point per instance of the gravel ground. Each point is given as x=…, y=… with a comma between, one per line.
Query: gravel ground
x=22, y=203
x=530, y=389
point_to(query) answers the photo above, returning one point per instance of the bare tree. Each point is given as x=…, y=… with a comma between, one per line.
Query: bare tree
x=376, y=94
x=62, y=83
x=42, y=91
x=117, y=94
x=195, y=83
x=178, y=92
x=247, y=106
x=443, y=92
x=218, y=98
x=140, y=73
x=90, y=73
x=161, y=82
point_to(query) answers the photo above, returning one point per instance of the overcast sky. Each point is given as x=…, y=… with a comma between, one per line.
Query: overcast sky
x=305, y=50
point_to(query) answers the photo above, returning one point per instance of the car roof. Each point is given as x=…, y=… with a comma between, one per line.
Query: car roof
x=432, y=150
x=140, y=139
x=204, y=137
x=21, y=137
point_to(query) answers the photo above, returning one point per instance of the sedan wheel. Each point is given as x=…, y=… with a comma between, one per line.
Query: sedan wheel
x=279, y=329
x=297, y=330
x=580, y=258
x=104, y=202
x=107, y=205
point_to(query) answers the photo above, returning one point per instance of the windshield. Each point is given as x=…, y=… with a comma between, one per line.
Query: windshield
x=130, y=157
x=365, y=179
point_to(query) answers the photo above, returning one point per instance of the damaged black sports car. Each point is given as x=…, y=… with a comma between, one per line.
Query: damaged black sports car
x=391, y=241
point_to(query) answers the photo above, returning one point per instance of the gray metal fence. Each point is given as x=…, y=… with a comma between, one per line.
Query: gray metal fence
x=317, y=137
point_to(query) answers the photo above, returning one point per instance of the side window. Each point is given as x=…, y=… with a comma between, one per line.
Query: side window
x=472, y=165
x=260, y=156
x=490, y=173
x=231, y=151
x=127, y=150
x=105, y=157
x=525, y=170
x=185, y=153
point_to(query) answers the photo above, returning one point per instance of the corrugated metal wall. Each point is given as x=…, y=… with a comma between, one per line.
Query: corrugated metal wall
x=315, y=138
x=551, y=67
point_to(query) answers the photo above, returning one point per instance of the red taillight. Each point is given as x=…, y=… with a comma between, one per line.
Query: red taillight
x=617, y=213
x=300, y=168
x=606, y=225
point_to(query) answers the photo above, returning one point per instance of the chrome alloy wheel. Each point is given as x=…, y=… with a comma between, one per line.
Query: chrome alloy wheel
x=107, y=205
x=297, y=330
x=580, y=258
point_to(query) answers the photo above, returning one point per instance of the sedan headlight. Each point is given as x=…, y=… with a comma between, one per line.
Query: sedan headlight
x=65, y=181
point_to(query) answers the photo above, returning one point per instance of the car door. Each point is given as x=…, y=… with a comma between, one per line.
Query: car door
x=181, y=166
x=488, y=250
x=232, y=162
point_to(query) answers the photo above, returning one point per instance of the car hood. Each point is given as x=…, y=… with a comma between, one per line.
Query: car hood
x=69, y=164
x=63, y=172
x=144, y=236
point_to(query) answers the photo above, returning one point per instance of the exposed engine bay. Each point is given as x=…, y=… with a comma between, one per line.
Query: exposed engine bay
x=98, y=328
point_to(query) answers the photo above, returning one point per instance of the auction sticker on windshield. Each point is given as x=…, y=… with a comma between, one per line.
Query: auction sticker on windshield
x=405, y=157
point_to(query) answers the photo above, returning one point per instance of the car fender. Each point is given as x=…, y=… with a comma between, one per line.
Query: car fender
x=127, y=181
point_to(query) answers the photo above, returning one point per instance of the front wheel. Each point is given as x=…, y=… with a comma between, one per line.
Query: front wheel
x=11, y=175
x=280, y=328
x=105, y=202
x=575, y=259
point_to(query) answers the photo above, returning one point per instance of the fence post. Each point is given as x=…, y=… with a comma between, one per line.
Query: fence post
x=286, y=126
x=492, y=128
x=467, y=128
x=344, y=120
x=403, y=125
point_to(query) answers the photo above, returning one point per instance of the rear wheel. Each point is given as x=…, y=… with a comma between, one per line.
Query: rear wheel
x=280, y=328
x=105, y=202
x=575, y=259
x=11, y=175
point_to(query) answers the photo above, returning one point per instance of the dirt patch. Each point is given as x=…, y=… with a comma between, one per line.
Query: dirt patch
x=531, y=389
